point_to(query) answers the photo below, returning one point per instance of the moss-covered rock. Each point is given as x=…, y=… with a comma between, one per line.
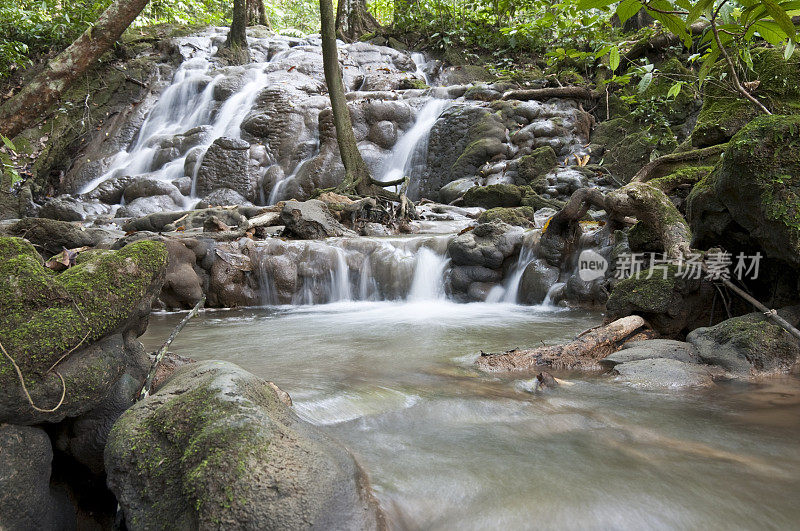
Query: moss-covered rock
x=533, y=168
x=671, y=303
x=536, y=201
x=751, y=201
x=749, y=342
x=216, y=448
x=688, y=175
x=519, y=216
x=43, y=315
x=725, y=112
x=493, y=196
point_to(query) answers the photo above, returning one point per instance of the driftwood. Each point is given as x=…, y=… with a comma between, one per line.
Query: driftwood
x=159, y=355
x=581, y=353
x=647, y=171
x=577, y=93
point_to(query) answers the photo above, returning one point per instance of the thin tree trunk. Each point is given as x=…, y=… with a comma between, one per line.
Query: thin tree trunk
x=257, y=13
x=237, y=36
x=353, y=20
x=357, y=178
x=19, y=112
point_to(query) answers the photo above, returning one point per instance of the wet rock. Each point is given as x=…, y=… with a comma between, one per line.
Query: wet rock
x=749, y=342
x=651, y=349
x=144, y=206
x=310, y=220
x=230, y=283
x=383, y=133
x=26, y=498
x=216, y=447
x=536, y=281
x=519, y=216
x=150, y=188
x=51, y=236
x=63, y=208
x=223, y=197
x=109, y=191
x=533, y=169
x=663, y=373
x=183, y=284
x=487, y=245
x=462, y=277
x=98, y=307
x=464, y=75
x=455, y=189
x=225, y=165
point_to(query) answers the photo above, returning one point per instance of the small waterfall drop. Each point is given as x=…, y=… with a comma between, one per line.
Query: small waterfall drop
x=429, y=270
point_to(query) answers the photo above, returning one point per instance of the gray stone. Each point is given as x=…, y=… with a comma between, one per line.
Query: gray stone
x=311, y=220
x=223, y=197
x=143, y=206
x=652, y=348
x=151, y=187
x=216, y=447
x=225, y=165
x=662, y=373
x=488, y=245
x=536, y=281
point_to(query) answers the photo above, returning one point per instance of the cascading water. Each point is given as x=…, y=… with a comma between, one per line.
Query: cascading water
x=429, y=270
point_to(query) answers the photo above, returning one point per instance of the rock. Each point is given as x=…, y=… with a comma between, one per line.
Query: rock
x=225, y=165
x=144, y=206
x=216, y=447
x=455, y=189
x=749, y=342
x=99, y=306
x=463, y=276
x=51, y=236
x=625, y=146
x=533, y=168
x=756, y=187
x=464, y=75
x=662, y=373
x=487, y=245
x=26, y=498
x=311, y=220
x=670, y=303
x=183, y=284
x=724, y=113
x=520, y=216
x=109, y=191
x=63, y=208
x=493, y=196
x=151, y=187
x=223, y=197
x=383, y=133
x=650, y=349
x=230, y=283
x=536, y=281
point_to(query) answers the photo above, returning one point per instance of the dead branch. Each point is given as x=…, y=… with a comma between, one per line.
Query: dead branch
x=648, y=170
x=581, y=353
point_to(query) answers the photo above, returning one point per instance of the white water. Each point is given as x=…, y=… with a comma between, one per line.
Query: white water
x=509, y=291
x=408, y=156
x=428, y=283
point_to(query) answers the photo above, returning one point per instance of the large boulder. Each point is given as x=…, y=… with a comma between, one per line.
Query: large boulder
x=216, y=447
x=225, y=165
x=487, y=245
x=749, y=342
x=80, y=325
x=493, y=196
x=51, y=236
x=751, y=201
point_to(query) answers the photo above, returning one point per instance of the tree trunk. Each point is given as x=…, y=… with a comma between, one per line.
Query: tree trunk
x=257, y=13
x=357, y=178
x=354, y=20
x=581, y=353
x=237, y=36
x=24, y=109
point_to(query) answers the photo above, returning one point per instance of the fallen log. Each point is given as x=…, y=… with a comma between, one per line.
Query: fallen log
x=581, y=353
x=577, y=93
x=647, y=171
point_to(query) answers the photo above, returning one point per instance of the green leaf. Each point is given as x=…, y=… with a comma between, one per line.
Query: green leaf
x=779, y=15
x=674, y=90
x=697, y=10
x=628, y=8
x=789, y=50
x=9, y=144
x=647, y=79
x=708, y=63
x=613, y=59
x=593, y=4
x=769, y=31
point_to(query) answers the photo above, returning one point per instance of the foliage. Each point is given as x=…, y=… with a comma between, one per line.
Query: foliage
x=7, y=167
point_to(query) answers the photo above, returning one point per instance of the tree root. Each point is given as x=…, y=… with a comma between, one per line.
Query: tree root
x=647, y=171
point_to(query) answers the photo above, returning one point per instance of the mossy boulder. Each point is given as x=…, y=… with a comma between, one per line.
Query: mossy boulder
x=749, y=342
x=216, y=448
x=533, y=168
x=671, y=303
x=493, y=196
x=624, y=145
x=536, y=201
x=98, y=307
x=751, y=201
x=725, y=112
x=519, y=216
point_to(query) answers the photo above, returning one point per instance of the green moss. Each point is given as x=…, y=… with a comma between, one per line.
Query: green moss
x=533, y=168
x=645, y=295
x=535, y=201
x=494, y=195
x=520, y=216
x=687, y=175
x=46, y=314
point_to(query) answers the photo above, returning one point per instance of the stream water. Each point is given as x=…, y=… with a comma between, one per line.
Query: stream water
x=447, y=447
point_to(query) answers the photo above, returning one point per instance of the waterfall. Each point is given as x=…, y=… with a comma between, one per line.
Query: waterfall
x=408, y=156
x=509, y=292
x=429, y=270
x=420, y=62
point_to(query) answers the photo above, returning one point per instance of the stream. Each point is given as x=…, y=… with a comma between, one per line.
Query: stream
x=447, y=447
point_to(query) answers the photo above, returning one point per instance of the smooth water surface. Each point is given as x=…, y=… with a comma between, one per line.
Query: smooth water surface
x=447, y=447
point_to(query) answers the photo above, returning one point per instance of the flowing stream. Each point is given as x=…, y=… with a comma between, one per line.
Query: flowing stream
x=447, y=447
